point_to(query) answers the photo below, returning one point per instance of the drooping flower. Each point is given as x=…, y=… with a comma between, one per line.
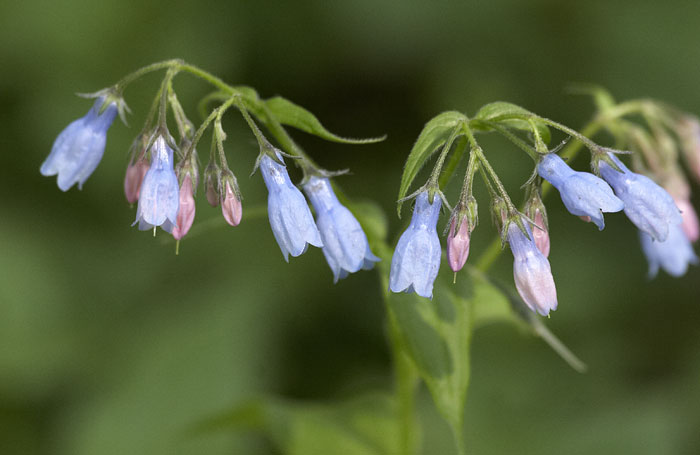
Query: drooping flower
x=186, y=211
x=531, y=271
x=582, y=193
x=673, y=255
x=416, y=260
x=290, y=218
x=79, y=148
x=345, y=244
x=230, y=200
x=647, y=205
x=159, y=200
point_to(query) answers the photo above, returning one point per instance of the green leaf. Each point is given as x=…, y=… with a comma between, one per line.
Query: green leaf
x=434, y=135
x=294, y=115
x=366, y=425
x=500, y=112
x=436, y=334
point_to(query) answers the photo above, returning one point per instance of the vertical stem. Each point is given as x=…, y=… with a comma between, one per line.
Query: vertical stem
x=406, y=383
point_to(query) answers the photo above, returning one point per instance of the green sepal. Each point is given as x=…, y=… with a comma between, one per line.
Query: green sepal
x=503, y=113
x=434, y=135
x=296, y=116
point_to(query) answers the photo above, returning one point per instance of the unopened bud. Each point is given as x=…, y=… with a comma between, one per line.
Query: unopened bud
x=690, y=224
x=230, y=200
x=134, y=177
x=540, y=232
x=212, y=182
x=535, y=210
x=185, y=214
x=458, y=243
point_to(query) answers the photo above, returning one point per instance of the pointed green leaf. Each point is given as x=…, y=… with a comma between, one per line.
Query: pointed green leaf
x=294, y=115
x=502, y=113
x=434, y=135
x=436, y=334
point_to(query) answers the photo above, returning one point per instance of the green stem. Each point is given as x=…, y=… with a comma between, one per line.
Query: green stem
x=510, y=136
x=435, y=175
x=460, y=147
x=129, y=78
x=216, y=113
x=262, y=142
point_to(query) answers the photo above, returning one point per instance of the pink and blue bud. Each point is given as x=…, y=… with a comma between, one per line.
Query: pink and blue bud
x=159, y=200
x=416, y=260
x=541, y=233
x=647, y=205
x=463, y=222
x=673, y=255
x=582, y=193
x=79, y=148
x=290, y=218
x=345, y=244
x=186, y=211
x=690, y=224
x=231, y=206
x=531, y=271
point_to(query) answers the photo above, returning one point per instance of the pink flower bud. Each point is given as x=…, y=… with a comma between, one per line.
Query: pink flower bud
x=531, y=272
x=231, y=206
x=134, y=177
x=458, y=244
x=586, y=218
x=212, y=194
x=185, y=214
x=541, y=236
x=690, y=225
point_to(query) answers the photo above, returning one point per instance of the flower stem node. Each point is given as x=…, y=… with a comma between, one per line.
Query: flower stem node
x=647, y=205
x=79, y=148
x=582, y=193
x=345, y=244
x=290, y=218
x=159, y=200
x=416, y=260
x=531, y=271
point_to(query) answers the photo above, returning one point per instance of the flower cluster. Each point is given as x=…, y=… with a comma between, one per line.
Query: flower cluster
x=163, y=175
x=661, y=211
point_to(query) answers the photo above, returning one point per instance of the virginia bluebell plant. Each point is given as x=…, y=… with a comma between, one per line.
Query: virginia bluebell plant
x=430, y=319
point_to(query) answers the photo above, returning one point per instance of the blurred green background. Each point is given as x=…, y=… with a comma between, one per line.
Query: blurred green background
x=110, y=344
